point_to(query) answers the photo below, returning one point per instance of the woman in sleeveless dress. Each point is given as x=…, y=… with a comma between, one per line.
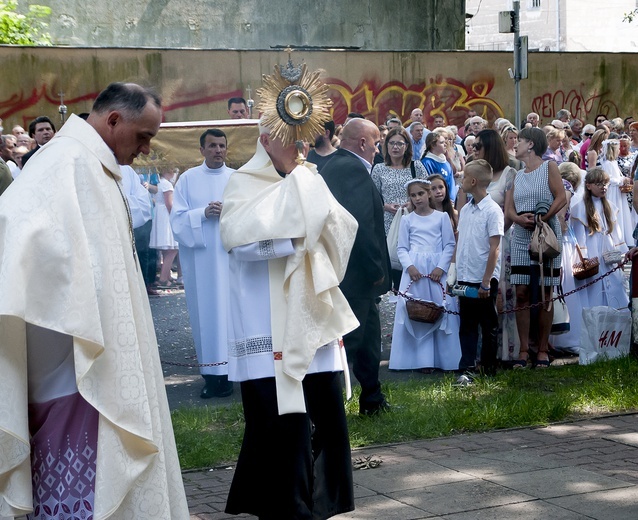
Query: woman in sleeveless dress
x=538, y=189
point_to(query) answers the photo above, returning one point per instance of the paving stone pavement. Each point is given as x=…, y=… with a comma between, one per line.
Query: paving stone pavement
x=577, y=470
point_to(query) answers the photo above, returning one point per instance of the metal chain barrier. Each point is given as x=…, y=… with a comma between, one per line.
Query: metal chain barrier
x=407, y=297
x=538, y=304
x=194, y=365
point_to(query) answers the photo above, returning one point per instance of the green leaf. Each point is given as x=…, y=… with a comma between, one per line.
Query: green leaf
x=29, y=28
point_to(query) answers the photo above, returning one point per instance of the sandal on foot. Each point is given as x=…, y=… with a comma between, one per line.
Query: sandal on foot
x=519, y=364
x=542, y=363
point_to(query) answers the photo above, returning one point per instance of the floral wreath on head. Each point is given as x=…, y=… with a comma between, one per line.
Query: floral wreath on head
x=414, y=181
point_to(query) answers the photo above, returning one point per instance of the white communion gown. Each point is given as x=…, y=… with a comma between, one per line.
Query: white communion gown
x=426, y=242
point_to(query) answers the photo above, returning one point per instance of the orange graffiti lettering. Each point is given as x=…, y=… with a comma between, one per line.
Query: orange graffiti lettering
x=448, y=97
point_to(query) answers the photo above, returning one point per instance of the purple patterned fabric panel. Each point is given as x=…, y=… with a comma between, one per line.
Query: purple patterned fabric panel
x=63, y=458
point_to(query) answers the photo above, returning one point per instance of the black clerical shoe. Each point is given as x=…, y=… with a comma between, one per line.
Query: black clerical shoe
x=211, y=386
x=374, y=409
x=208, y=391
x=225, y=388
x=216, y=386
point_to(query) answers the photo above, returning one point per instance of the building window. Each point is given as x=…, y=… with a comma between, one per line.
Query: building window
x=534, y=4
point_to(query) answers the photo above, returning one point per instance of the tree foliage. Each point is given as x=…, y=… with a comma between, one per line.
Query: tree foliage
x=24, y=29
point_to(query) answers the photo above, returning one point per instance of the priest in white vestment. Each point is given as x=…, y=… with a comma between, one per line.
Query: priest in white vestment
x=197, y=204
x=85, y=428
x=289, y=242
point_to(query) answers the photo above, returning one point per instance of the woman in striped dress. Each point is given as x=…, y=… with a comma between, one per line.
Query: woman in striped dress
x=538, y=189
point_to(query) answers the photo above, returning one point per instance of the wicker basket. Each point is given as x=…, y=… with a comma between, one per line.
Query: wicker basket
x=586, y=268
x=421, y=310
x=627, y=188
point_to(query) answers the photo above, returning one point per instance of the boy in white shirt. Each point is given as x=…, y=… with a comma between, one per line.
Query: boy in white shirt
x=481, y=225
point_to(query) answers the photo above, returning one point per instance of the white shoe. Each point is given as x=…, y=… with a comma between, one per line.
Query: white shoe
x=464, y=380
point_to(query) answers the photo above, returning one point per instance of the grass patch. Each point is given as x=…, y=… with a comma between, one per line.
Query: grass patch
x=428, y=408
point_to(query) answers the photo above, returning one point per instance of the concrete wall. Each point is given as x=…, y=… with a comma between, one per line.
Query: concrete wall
x=259, y=24
x=196, y=84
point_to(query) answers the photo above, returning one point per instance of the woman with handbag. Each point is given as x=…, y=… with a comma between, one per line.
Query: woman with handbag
x=390, y=178
x=537, y=195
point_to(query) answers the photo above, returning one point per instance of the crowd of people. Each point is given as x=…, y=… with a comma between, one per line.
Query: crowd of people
x=576, y=177
x=306, y=244
x=534, y=169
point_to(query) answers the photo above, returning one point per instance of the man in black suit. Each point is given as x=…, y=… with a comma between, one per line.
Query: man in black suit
x=42, y=130
x=347, y=175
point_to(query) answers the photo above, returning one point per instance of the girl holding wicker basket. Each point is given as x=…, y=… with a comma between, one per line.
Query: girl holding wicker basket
x=425, y=248
x=599, y=235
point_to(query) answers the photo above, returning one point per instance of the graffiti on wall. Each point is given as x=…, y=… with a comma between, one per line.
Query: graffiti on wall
x=582, y=106
x=448, y=97
x=21, y=102
x=23, y=105
x=445, y=96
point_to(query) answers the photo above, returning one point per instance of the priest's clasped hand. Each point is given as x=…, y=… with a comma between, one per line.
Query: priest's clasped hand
x=213, y=209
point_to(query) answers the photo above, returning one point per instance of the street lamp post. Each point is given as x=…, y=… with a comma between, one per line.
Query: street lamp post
x=517, y=63
x=509, y=22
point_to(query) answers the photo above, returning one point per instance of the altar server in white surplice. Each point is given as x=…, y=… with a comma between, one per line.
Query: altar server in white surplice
x=197, y=204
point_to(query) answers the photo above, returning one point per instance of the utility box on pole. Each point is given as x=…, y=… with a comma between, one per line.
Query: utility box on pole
x=506, y=22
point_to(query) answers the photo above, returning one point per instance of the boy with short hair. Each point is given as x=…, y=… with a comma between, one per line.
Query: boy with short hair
x=481, y=226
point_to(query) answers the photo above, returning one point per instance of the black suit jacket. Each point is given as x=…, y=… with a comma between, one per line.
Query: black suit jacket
x=350, y=183
x=28, y=155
